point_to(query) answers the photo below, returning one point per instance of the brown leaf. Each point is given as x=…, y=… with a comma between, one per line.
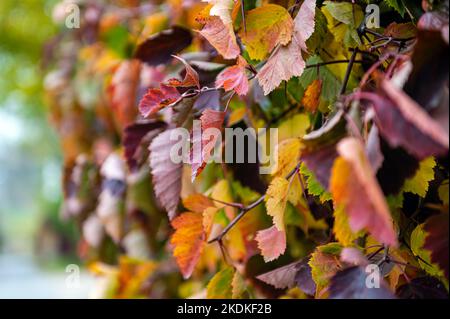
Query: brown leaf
x=158, y=49
x=133, y=137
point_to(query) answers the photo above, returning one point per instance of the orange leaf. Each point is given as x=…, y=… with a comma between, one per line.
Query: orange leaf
x=197, y=203
x=189, y=241
x=311, y=98
x=234, y=78
x=355, y=188
x=190, y=79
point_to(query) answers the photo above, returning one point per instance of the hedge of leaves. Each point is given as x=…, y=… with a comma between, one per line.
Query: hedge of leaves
x=362, y=119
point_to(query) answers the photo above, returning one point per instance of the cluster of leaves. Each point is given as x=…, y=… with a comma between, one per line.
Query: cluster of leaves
x=362, y=174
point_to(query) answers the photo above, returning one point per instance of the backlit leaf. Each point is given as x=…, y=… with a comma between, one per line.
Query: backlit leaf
x=266, y=27
x=188, y=241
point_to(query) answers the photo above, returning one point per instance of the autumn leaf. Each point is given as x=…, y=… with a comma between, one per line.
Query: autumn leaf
x=402, y=122
x=123, y=88
x=271, y=242
x=204, y=144
x=294, y=274
x=324, y=263
x=188, y=240
x=311, y=98
x=282, y=277
x=341, y=227
x=226, y=284
x=166, y=174
x=266, y=27
x=354, y=187
x=221, y=37
x=158, y=48
x=156, y=99
x=133, y=136
x=276, y=198
x=220, y=286
x=197, y=203
x=190, y=79
x=234, y=78
x=436, y=241
x=419, y=183
x=287, y=61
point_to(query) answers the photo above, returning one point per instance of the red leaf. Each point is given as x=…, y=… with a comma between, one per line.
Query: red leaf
x=437, y=240
x=234, y=78
x=156, y=99
x=203, y=144
x=190, y=79
x=166, y=173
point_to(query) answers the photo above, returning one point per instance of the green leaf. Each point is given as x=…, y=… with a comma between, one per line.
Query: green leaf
x=220, y=285
x=313, y=186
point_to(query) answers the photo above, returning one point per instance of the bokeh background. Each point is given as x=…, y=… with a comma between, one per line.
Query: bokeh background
x=35, y=244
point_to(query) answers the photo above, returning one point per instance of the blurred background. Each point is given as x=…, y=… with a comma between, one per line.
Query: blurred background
x=36, y=246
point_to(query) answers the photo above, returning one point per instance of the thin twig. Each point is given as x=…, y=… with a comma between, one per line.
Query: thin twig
x=245, y=209
x=348, y=71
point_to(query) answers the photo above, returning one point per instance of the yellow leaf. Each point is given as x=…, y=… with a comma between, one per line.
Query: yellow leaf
x=276, y=197
x=266, y=27
x=220, y=286
x=237, y=115
x=341, y=228
x=288, y=158
x=418, y=184
x=295, y=126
